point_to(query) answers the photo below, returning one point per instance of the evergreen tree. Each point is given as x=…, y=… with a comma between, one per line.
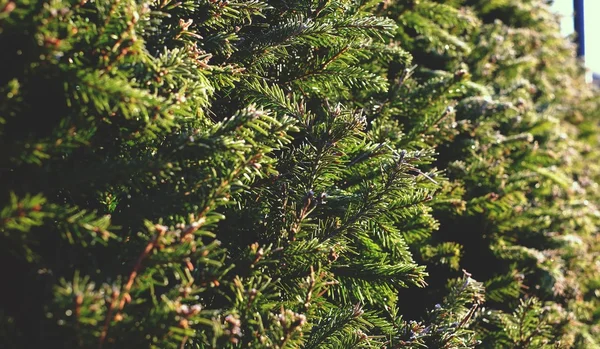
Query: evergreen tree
x=295, y=174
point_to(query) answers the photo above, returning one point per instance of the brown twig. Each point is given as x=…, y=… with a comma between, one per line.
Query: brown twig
x=111, y=308
x=127, y=288
x=183, y=342
x=161, y=230
x=311, y=287
x=138, y=265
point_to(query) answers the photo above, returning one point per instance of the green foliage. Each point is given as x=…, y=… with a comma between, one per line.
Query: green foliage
x=295, y=174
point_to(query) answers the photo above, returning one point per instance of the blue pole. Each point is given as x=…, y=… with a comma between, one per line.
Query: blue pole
x=579, y=27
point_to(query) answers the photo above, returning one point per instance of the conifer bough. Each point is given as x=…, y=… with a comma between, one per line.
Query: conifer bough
x=295, y=174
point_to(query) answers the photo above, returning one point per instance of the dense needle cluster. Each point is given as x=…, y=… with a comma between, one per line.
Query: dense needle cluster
x=296, y=174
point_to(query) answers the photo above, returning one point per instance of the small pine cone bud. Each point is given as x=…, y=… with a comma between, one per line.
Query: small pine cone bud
x=8, y=8
x=337, y=110
x=185, y=24
x=460, y=74
x=234, y=328
x=357, y=311
x=298, y=321
x=230, y=319
x=183, y=323
x=252, y=293
x=185, y=291
x=189, y=265
x=195, y=309
x=333, y=255
x=361, y=335
x=183, y=309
